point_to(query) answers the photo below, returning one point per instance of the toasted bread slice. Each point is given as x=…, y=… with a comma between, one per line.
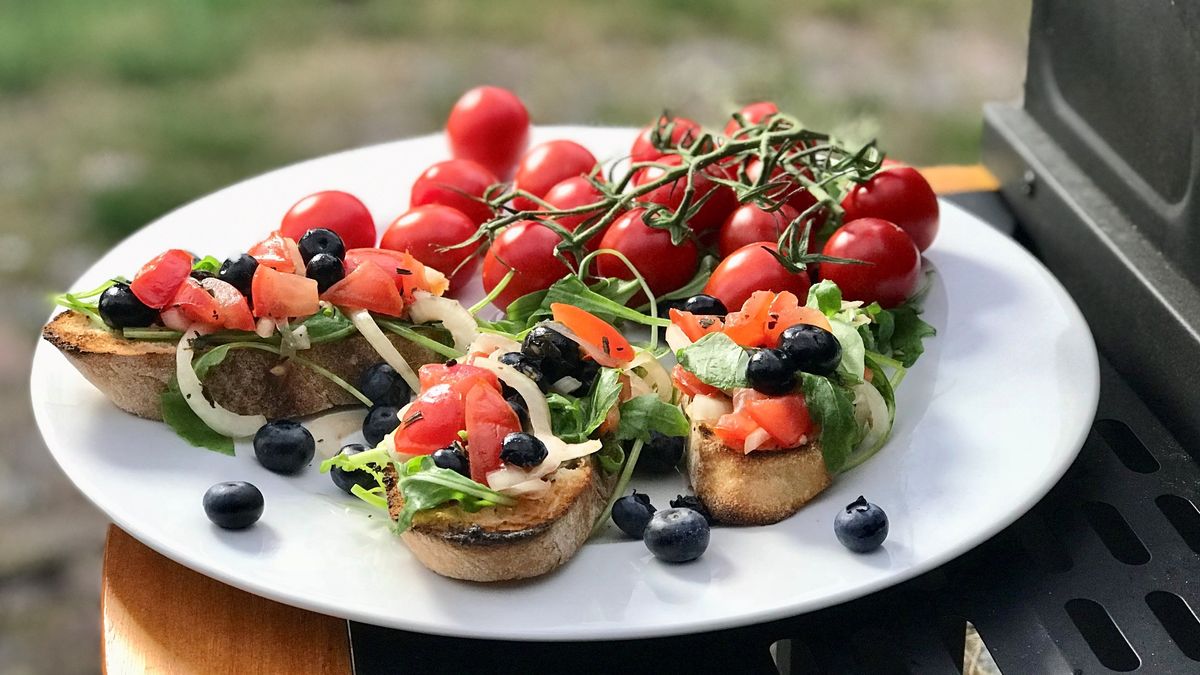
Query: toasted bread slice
x=504, y=543
x=134, y=373
x=757, y=488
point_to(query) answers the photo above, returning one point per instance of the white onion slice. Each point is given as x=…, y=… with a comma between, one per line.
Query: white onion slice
x=535, y=401
x=704, y=408
x=300, y=339
x=428, y=308
x=174, y=319
x=217, y=418
x=362, y=320
x=530, y=489
x=566, y=384
x=676, y=338
x=437, y=282
x=558, y=451
x=265, y=327
x=870, y=409
x=656, y=376
x=490, y=343
x=756, y=439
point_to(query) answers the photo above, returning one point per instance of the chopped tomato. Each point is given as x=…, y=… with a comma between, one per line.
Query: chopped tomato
x=407, y=272
x=461, y=377
x=696, y=326
x=431, y=422
x=785, y=312
x=747, y=327
x=691, y=385
x=733, y=429
x=231, y=304
x=489, y=419
x=279, y=253
x=603, y=343
x=196, y=305
x=280, y=295
x=158, y=280
x=784, y=417
x=368, y=287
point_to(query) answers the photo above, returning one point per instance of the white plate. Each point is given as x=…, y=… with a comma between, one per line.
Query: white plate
x=987, y=422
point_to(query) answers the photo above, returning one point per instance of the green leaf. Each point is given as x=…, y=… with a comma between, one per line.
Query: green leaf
x=575, y=419
x=611, y=455
x=566, y=416
x=179, y=416
x=432, y=336
x=328, y=325
x=716, y=360
x=642, y=414
x=832, y=407
x=908, y=333
x=571, y=291
x=696, y=285
x=425, y=486
x=207, y=264
x=825, y=296
x=852, y=365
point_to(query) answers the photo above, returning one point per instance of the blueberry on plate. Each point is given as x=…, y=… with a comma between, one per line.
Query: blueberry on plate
x=770, y=372
x=326, y=270
x=320, y=240
x=346, y=480
x=284, y=446
x=522, y=449
x=693, y=502
x=632, y=513
x=233, y=505
x=810, y=349
x=120, y=308
x=661, y=453
x=452, y=457
x=379, y=422
x=384, y=386
x=705, y=305
x=238, y=272
x=677, y=535
x=861, y=526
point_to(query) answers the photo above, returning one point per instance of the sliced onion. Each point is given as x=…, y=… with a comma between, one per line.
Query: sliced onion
x=300, y=339
x=428, y=308
x=491, y=343
x=704, y=408
x=656, y=376
x=218, y=419
x=437, y=282
x=870, y=409
x=676, y=338
x=174, y=319
x=362, y=320
x=530, y=489
x=756, y=439
x=265, y=327
x=566, y=384
x=558, y=451
x=535, y=401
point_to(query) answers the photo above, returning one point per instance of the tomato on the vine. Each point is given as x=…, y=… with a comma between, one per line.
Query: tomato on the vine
x=751, y=224
x=893, y=266
x=573, y=193
x=683, y=134
x=792, y=190
x=753, y=268
x=666, y=266
x=527, y=248
x=489, y=125
x=427, y=232
x=901, y=195
x=753, y=114
x=334, y=210
x=457, y=183
x=548, y=164
x=711, y=214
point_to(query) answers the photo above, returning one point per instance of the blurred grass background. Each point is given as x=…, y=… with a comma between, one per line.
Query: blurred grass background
x=113, y=112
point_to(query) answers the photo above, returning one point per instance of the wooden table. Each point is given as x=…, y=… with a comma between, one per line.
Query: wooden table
x=161, y=617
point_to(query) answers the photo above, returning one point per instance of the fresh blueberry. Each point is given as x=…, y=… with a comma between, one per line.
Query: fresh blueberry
x=558, y=354
x=320, y=240
x=704, y=305
x=661, y=453
x=120, y=308
x=632, y=512
x=517, y=403
x=452, y=457
x=861, y=526
x=677, y=535
x=665, y=306
x=379, y=422
x=527, y=366
x=522, y=449
x=284, y=446
x=586, y=374
x=238, y=271
x=693, y=502
x=233, y=505
x=384, y=386
x=770, y=373
x=346, y=480
x=326, y=270
x=810, y=349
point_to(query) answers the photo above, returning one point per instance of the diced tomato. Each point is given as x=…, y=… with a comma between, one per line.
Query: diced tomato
x=196, y=304
x=461, y=377
x=489, y=420
x=747, y=327
x=786, y=311
x=368, y=287
x=158, y=280
x=279, y=253
x=407, y=272
x=280, y=295
x=696, y=326
x=733, y=429
x=691, y=385
x=431, y=422
x=784, y=417
x=231, y=304
x=602, y=342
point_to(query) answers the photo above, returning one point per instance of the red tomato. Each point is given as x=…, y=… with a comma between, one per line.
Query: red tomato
x=573, y=193
x=489, y=420
x=427, y=231
x=408, y=273
x=278, y=252
x=751, y=224
x=797, y=196
x=894, y=263
x=431, y=422
x=602, y=342
x=785, y=312
x=280, y=295
x=754, y=114
x=368, y=287
x=334, y=210
x=232, y=308
x=753, y=268
x=733, y=428
x=711, y=214
x=453, y=183
x=683, y=134
x=786, y=418
x=548, y=164
x=461, y=377
x=491, y=126
x=526, y=246
x=691, y=385
x=748, y=326
x=696, y=326
x=196, y=304
x=155, y=284
x=901, y=195
x=664, y=265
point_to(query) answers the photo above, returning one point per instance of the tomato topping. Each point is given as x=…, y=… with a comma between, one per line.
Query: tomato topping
x=431, y=422
x=408, y=273
x=196, y=305
x=784, y=417
x=158, y=280
x=733, y=429
x=747, y=327
x=696, y=326
x=691, y=385
x=489, y=419
x=280, y=295
x=232, y=307
x=461, y=377
x=786, y=311
x=279, y=253
x=603, y=343
x=368, y=287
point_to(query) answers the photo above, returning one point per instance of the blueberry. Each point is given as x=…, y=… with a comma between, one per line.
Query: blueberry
x=326, y=270
x=346, y=480
x=586, y=374
x=452, y=457
x=120, y=308
x=558, y=354
x=811, y=349
x=379, y=422
x=770, y=372
x=233, y=505
x=527, y=366
x=522, y=449
x=705, y=305
x=284, y=446
x=384, y=386
x=238, y=271
x=661, y=453
x=632, y=512
x=665, y=306
x=677, y=535
x=861, y=526
x=517, y=403
x=320, y=240
x=693, y=502
x=201, y=275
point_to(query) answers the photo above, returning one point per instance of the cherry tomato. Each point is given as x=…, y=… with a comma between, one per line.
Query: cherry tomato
x=232, y=308
x=408, y=274
x=333, y=210
x=280, y=295
x=753, y=268
x=751, y=224
x=431, y=422
x=155, y=284
x=691, y=385
x=427, y=231
x=368, y=287
x=894, y=263
x=278, y=252
x=197, y=305
x=696, y=326
x=573, y=193
x=602, y=342
x=527, y=247
x=683, y=134
x=754, y=114
x=489, y=418
x=491, y=126
x=711, y=214
x=901, y=195
x=453, y=183
x=461, y=377
x=665, y=265
x=548, y=164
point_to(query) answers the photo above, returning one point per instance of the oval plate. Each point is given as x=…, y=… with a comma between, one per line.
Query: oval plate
x=987, y=422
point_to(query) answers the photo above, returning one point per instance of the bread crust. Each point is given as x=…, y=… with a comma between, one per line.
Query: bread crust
x=756, y=488
x=502, y=543
x=133, y=374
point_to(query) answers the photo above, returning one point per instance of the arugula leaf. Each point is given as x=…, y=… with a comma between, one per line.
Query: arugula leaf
x=605, y=298
x=642, y=414
x=184, y=422
x=207, y=264
x=574, y=419
x=432, y=336
x=908, y=332
x=716, y=360
x=566, y=416
x=883, y=385
x=832, y=407
x=425, y=486
x=825, y=296
x=328, y=325
x=611, y=455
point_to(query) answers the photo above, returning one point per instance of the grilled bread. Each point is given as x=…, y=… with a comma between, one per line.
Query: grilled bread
x=134, y=373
